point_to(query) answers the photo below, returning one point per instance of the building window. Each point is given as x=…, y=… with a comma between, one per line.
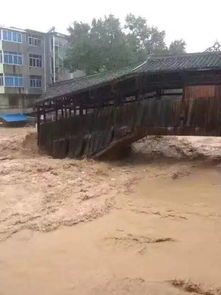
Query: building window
x=12, y=58
x=0, y=57
x=1, y=80
x=13, y=81
x=35, y=60
x=35, y=81
x=12, y=36
x=34, y=40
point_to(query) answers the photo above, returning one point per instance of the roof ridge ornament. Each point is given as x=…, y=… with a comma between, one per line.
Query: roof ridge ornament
x=215, y=48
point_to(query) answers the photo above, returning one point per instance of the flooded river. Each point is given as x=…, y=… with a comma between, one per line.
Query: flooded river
x=131, y=227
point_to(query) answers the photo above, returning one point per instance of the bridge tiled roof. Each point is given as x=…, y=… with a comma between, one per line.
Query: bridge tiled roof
x=190, y=61
x=153, y=65
x=79, y=84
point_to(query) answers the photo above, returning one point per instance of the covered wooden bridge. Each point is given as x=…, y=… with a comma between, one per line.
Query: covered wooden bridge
x=89, y=116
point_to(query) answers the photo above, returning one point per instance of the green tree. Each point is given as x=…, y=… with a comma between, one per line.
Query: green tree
x=82, y=53
x=106, y=45
x=109, y=41
x=177, y=47
x=143, y=39
x=97, y=47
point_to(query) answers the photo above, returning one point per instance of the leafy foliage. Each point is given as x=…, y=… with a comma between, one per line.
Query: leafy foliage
x=106, y=45
x=177, y=47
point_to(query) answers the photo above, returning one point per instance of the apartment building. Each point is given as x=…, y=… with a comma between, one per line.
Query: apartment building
x=29, y=62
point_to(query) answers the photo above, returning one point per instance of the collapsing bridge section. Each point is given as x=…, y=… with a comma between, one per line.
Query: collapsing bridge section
x=166, y=95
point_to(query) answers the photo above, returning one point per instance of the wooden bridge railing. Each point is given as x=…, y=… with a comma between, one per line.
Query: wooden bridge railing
x=67, y=129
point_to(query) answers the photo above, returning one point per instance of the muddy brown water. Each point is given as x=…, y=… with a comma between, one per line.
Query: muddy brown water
x=166, y=227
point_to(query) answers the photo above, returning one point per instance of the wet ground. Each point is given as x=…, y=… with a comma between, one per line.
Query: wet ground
x=148, y=224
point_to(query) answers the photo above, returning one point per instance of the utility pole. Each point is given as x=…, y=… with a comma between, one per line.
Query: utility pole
x=54, y=61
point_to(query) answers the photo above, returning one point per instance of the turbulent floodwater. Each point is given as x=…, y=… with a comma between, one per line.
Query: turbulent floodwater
x=149, y=224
